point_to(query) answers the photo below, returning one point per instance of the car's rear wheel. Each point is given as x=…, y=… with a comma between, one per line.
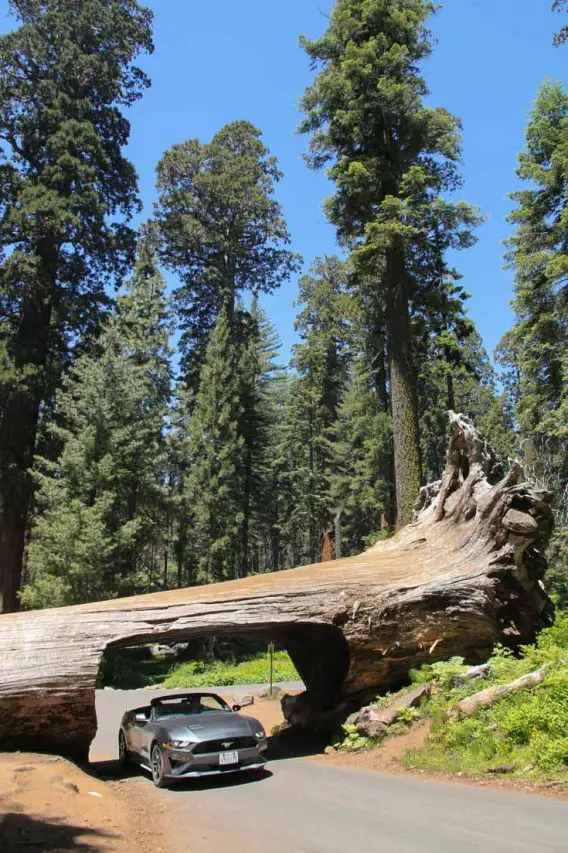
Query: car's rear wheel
x=123, y=757
x=157, y=766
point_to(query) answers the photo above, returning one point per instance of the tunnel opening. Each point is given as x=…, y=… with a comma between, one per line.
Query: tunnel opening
x=319, y=654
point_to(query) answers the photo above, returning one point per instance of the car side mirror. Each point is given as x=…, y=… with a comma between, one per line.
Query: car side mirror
x=236, y=707
x=141, y=718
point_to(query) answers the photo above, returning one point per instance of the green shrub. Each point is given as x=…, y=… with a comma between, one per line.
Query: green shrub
x=352, y=740
x=409, y=715
x=527, y=729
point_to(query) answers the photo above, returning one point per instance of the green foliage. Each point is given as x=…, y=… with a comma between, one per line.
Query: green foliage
x=321, y=364
x=352, y=741
x=408, y=716
x=534, y=355
x=527, y=729
x=441, y=672
x=100, y=530
x=221, y=230
x=229, y=484
x=253, y=670
x=562, y=35
x=361, y=452
x=122, y=673
x=66, y=194
x=393, y=161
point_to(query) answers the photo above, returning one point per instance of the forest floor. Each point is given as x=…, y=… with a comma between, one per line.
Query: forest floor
x=47, y=803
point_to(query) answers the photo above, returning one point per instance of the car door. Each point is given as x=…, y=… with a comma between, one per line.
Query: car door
x=135, y=734
x=144, y=736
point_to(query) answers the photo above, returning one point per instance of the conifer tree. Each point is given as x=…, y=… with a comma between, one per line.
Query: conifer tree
x=231, y=482
x=222, y=231
x=101, y=529
x=538, y=253
x=216, y=479
x=361, y=447
x=261, y=379
x=535, y=350
x=65, y=195
x=321, y=363
x=393, y=160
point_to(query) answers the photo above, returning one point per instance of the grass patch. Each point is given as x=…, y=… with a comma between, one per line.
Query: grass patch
x=252, y=670
x=127, y=673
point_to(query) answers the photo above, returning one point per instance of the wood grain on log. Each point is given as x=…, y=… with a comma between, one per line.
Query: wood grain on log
x=454, y=582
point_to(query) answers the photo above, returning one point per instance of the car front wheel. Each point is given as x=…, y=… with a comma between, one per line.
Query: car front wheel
x=122, y=750
x=157, y=766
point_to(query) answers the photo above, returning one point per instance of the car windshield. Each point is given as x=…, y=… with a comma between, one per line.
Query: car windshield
x=189, y=706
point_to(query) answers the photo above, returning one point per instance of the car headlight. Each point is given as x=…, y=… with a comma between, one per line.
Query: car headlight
x=260, y=734
x=182, y=744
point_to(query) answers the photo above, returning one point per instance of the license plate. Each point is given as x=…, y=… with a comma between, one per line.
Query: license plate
x=228, y=758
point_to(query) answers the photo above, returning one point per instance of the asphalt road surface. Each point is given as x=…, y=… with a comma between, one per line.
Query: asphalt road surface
x=301, y=806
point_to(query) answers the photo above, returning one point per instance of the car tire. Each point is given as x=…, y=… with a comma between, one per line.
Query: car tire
x=157, y=766
x=123, y=757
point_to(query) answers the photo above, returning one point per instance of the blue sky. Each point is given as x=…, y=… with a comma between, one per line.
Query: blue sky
x=219, y=61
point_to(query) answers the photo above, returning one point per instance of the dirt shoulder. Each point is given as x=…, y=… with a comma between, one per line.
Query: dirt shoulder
x=387, y=758
x=47, y=803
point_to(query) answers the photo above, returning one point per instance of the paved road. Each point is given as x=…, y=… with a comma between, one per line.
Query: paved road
x=305, y=807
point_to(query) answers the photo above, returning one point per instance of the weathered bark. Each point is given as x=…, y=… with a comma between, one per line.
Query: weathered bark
x=485, y=698
x=353, y=627
x=407, y=465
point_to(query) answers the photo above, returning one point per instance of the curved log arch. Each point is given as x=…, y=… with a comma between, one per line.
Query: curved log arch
x=465, y=575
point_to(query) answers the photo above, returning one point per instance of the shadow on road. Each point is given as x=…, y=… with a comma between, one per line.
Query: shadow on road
x=112, y=771
x=23, y=832
x=295, y=743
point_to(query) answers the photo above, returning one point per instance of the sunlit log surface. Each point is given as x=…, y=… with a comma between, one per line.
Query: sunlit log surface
x=465, y=575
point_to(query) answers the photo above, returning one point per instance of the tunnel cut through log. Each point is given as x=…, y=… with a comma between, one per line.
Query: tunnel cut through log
x=465, y=575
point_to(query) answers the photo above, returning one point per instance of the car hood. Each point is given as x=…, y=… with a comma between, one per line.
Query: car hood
x=210, y=726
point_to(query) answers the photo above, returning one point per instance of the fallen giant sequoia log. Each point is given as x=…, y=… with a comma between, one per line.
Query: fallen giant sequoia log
x=465, y=575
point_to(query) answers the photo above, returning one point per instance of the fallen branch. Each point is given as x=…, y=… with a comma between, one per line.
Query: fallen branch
x=485, y=698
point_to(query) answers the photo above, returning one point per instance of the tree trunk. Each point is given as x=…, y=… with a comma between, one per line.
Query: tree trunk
x=19, y=416
x=338, y=534
x=407, y=466
x=353, y=627
x=451, y=403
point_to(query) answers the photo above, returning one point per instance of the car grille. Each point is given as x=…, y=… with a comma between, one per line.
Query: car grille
x=224, y=745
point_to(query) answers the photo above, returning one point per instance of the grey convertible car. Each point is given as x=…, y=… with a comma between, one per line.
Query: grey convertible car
x=190, y=735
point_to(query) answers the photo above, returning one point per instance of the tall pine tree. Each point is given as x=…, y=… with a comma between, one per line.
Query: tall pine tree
x=66, y=192
x=321, y=365
x=222, y=231
x=393, y=160
x=101, y=527
x=535, y=350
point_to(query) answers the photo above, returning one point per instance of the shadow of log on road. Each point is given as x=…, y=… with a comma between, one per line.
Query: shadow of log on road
x=23, y=832
x=295, y=743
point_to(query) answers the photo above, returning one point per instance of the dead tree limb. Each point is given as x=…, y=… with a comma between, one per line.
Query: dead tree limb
x=485, y=698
